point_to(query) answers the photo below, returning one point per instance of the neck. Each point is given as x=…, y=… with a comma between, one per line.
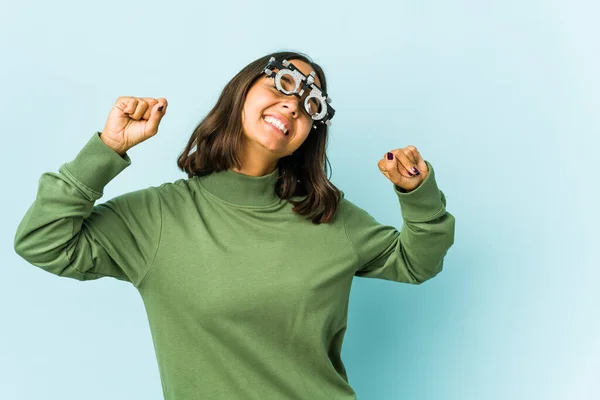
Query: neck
x=255, y=170
x=257, y=160
x=241, y=189
x=257, y=165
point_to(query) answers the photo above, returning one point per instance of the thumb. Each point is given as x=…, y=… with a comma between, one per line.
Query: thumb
x=391, y=169
x=158, y=112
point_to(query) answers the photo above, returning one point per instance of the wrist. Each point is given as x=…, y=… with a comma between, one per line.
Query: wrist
x=114, y=146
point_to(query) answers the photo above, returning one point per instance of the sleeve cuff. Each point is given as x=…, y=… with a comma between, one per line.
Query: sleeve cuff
x=424, y=203
x=96, y=164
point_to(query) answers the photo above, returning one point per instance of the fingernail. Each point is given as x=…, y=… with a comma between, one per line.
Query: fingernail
x=411, y=174
x=416, y=171
x=390, y=156
x=160, y=108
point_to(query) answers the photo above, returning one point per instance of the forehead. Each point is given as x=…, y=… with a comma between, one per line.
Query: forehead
x=305, y=68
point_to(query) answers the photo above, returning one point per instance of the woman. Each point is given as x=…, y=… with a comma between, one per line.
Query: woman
x=245, y=267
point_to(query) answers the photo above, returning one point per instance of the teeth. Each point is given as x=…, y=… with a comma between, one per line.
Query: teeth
x=276, y=123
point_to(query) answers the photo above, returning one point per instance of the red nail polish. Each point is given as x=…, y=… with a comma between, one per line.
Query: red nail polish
x=390, y=156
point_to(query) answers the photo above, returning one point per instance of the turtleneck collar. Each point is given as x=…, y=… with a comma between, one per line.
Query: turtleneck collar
x=244, y=190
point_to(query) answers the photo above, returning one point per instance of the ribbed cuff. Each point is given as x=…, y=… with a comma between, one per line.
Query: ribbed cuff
x=423, y=203
x=96, y=164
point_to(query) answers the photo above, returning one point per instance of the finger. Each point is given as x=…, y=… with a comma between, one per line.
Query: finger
x=140, y=110
x=151, y=103
x=382, y=168
x=421, y=165
x=411, y=155
x=127, y=105
x=394, y=168
x=415, y=157
x=404, y=163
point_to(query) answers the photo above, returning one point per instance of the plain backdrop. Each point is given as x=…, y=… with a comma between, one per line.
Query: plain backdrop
x=501, y=97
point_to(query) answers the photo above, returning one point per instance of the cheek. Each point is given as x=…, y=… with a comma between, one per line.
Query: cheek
x=250, y=112
x=306, y=125
x=303, y=131
x=254, y=108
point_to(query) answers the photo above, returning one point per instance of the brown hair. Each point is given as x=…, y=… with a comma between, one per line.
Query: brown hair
x=218, y=140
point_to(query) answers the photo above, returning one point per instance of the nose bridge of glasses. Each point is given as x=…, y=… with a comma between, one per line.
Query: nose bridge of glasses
x=297, y=88
x=294, y=101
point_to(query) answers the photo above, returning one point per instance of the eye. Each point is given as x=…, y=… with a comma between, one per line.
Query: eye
x=309, y=108
x=307, y=114
x=313, y=106
x=288, y=83
x=271, y=87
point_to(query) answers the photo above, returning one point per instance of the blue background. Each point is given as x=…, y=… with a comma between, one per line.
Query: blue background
x=501, y=97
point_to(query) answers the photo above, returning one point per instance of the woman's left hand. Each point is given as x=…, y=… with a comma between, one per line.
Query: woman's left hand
x=406, y=169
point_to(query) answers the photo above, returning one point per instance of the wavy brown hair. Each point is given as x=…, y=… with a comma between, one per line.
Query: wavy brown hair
x=216, y=145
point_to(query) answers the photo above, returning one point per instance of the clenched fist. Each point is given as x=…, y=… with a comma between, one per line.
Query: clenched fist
x=131, y=121
x=404, y=167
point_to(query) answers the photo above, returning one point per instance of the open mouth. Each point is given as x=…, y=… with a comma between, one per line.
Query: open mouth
x=276, y=124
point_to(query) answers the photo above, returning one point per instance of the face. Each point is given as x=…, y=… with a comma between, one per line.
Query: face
x=266, y=111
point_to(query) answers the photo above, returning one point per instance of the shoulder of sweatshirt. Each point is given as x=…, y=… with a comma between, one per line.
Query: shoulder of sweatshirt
x=97, y=164
x=154, y=198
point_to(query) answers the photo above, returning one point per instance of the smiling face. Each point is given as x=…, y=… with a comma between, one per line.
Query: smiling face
x=274, y=125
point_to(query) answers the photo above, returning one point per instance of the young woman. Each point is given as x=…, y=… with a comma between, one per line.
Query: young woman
x=245, y=267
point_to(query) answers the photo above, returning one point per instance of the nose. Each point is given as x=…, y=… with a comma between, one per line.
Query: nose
x=291, y=104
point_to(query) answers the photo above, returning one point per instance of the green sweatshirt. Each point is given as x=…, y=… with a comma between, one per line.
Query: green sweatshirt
x=245, y=299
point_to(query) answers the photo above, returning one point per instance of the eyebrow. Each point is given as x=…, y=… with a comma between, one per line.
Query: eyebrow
x=315, y=82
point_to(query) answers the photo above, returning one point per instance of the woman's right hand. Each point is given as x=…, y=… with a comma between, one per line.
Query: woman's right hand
x=131, y=121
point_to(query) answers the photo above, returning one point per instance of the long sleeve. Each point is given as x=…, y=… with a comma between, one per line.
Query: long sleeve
x=412, y=255
x=64, y=233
